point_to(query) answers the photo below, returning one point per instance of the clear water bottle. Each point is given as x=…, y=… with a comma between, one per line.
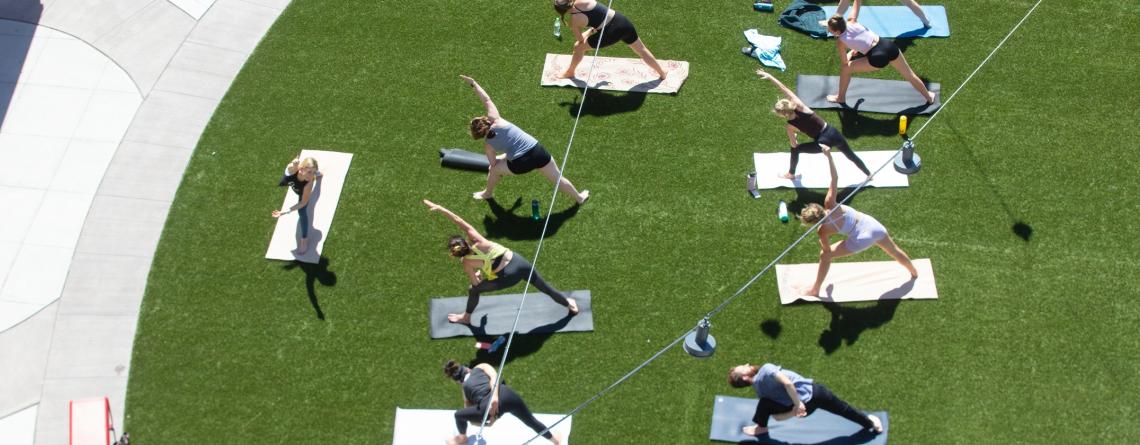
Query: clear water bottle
x=783, y=211
x=558, y=28
x=534, y=214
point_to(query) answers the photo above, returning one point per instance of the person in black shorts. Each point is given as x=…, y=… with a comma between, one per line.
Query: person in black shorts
x=802, y=118
x=521, y=152
x=480, y=395
x=592, y=15
x=862, y=51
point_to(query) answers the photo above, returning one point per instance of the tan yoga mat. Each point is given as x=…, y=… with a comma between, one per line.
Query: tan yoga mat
x=616, y=74
x=863, y=281
x=322, y=206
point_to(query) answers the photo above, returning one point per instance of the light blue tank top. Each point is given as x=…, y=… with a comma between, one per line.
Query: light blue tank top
x=511, y=140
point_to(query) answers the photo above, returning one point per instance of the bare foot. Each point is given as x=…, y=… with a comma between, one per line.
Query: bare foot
x=457, y=440
x=556, y=439
x=788, y=175
x=878, y=428
x=833, y=98
x=303, y=246
x=755, y=430
x=929, y=97
x=481, y=195
x=661, y=74
x=583, y=197
x=464, y=318
x=566, y=75
x=573, y=306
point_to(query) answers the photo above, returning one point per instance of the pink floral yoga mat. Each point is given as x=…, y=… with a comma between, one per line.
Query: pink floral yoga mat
x=862, y=281
x=615, y=74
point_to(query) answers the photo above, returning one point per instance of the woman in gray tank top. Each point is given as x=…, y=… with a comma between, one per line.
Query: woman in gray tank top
x=520, y=152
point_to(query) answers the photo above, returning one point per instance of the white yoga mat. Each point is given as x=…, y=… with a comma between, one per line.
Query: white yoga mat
x=322, y=206
x=866, y=281
x=434, y=426
x=616, y=74
x=814, y=172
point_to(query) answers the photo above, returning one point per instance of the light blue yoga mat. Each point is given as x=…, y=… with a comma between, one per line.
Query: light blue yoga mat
x=730, y=414
x=899, y=21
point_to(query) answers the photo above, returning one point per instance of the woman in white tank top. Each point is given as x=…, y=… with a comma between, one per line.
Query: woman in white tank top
x=862, y=51
x=860, y=229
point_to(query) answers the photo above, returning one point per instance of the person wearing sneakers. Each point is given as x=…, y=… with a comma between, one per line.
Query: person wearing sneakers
x=862, y=51
x=860, y=229
x=480, y=395
x=785, y=394
x=604, y=27
x=491, y=267
x=802, y=118
x=521, y=152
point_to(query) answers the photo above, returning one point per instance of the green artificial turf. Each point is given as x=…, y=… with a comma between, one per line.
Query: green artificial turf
x=1031, y=341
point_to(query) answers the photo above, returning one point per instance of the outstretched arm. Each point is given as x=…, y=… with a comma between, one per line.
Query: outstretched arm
x=492, y=112
x=784, y=89
x=492, y=375
x=463, y=225
x=829, y=201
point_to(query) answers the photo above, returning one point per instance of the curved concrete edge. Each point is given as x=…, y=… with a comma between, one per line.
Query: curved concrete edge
x=91, y=343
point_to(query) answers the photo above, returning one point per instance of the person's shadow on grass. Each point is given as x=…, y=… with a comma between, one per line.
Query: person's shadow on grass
x=603, y=103
x=522, y=345
x=504, y=223
x=847, y=323
x=315, y=273
x=807, y=196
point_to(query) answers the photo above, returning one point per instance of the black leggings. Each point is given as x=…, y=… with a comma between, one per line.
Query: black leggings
x=516, y=270
x=509, y=403
x=821, y=398
x=832, y=138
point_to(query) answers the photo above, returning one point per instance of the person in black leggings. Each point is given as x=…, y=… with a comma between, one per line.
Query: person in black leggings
x=490, y=267
x=785, y=394
x=593, y=15
x=480, y=396
x=802, y=118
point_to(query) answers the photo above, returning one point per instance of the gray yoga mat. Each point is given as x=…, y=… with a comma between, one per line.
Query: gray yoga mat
x=730, y=414
x=496, y=313
x=871, y=95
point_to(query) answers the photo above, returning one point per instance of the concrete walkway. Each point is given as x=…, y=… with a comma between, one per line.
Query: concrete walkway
x=181, y=57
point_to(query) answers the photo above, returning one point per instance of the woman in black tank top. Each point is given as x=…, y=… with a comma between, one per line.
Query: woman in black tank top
x=480, y=394
x=595, y=17
x=801, y=118
x=300, y=175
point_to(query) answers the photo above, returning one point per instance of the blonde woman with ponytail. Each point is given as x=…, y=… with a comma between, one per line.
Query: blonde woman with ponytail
x=300, y=175
x=860, y=229
x=521, y=152
x=802, y=118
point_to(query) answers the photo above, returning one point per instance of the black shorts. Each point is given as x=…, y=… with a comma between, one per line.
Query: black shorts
x=883, y=53
x=536, y=157
x=619, y=28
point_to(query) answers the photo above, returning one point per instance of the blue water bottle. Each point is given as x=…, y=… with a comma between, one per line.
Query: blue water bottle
x=534, y=210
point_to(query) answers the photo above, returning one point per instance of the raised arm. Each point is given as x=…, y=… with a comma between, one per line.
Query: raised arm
x=783, y=89
x=829, y=201
x=463, y=225
x=492, y=112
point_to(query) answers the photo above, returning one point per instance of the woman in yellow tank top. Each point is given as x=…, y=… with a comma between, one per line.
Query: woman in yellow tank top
x=490, y=267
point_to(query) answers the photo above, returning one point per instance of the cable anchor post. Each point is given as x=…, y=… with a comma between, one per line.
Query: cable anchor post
x=906, y=161
x=699, y=343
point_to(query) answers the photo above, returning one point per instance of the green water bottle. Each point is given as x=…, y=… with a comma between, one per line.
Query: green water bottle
x=534, y=210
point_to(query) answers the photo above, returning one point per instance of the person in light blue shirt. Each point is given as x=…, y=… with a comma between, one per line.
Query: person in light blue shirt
x=521, y=152
x=783, y=393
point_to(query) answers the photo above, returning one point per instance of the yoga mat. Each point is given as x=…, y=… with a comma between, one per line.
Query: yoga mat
x=864, y=281
x=870, y=95
x=322, y=206
x=616, y=74
x=899, y=21
x=461, y=159
x=435, y=426
x=814, y=173
x=496, y=313
x=730, y=414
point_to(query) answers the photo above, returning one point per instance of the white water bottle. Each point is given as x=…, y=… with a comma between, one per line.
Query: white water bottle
x=783, y=211
x=558, y=28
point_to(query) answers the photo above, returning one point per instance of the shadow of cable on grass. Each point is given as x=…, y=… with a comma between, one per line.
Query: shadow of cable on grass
x=504, y=223
x=1019, y=227
x=315, y=273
